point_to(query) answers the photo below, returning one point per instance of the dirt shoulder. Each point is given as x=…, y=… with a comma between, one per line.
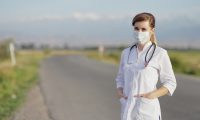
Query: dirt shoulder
x=34, y=107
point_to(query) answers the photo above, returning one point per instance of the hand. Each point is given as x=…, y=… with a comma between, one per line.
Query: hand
x=125, y=97
x=120, y=93
x=149, y=95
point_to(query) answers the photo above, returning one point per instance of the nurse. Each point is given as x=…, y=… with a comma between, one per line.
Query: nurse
x=142, y=65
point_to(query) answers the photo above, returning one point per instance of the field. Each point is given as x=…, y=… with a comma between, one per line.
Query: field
x=16, y=81
x=185, y=62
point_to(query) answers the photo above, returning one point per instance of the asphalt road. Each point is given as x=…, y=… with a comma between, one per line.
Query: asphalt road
x=78, y=88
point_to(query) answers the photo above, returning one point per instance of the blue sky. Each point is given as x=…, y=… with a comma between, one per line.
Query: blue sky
x=92, y=22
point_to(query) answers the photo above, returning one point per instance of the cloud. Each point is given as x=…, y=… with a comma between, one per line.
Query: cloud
x=79, y=16
x=96, y=17
x=41, y=18
x=92, y=16
x=86, y=16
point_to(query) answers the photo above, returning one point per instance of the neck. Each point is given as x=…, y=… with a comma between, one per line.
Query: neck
x=141, y=46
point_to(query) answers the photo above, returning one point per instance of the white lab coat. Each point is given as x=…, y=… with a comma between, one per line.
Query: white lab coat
x=135, y=78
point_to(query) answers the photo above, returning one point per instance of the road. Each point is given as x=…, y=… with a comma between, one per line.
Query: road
x=78, y=88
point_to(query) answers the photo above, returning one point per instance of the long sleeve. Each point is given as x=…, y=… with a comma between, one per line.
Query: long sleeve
x=120, y=76
x=166, y=73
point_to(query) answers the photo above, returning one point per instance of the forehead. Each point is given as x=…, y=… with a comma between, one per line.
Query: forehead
x=142, y=24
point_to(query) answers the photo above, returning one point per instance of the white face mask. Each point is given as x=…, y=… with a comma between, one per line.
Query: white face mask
x=142, y=37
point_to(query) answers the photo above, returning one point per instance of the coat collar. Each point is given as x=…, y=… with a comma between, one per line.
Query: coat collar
x=146, y=46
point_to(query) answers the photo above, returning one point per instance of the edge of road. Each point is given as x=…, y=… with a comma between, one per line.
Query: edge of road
x=35, y=106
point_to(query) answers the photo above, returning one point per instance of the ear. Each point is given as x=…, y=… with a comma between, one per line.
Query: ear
x=153, y=29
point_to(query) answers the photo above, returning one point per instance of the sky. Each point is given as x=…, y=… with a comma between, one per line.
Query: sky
x=94, y=22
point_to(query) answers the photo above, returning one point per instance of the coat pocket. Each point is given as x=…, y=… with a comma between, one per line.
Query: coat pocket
x=122, y=100
x=147, y=108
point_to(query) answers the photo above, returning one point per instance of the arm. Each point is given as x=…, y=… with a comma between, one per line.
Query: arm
x=166, y=74
x=154, y=94
x=166, y=77
x=120, y=78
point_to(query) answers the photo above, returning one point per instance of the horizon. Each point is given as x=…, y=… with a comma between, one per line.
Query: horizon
x=93, y=22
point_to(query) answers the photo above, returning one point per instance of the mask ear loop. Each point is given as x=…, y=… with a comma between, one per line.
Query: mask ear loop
x=146, y=62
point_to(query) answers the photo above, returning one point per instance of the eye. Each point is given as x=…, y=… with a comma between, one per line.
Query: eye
x=136, y=28
x=144, y=29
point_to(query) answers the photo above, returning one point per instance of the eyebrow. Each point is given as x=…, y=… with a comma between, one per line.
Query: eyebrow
x=140, y=28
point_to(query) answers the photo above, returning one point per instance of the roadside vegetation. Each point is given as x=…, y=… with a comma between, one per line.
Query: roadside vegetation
x=16, y=80
x=183, y=61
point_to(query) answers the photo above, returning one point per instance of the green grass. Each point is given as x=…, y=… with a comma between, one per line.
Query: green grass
x=16, y=81
x=108, y=57
x=185, y=62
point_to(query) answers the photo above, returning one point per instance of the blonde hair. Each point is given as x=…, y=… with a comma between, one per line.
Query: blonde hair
x=146, y=17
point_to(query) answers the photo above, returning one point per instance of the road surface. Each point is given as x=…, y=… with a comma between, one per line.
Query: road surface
x=78, y=88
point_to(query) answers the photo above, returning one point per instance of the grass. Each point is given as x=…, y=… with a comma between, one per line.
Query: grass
x=185, y=62
x=108, y=57
x=16, y=81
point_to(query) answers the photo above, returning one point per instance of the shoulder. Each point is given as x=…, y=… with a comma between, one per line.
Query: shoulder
x=126, y=50
x=160, y=51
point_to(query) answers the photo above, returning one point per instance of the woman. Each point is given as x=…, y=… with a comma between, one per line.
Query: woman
x=141, y=66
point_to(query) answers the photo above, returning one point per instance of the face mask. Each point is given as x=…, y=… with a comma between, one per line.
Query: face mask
x=142, y=37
